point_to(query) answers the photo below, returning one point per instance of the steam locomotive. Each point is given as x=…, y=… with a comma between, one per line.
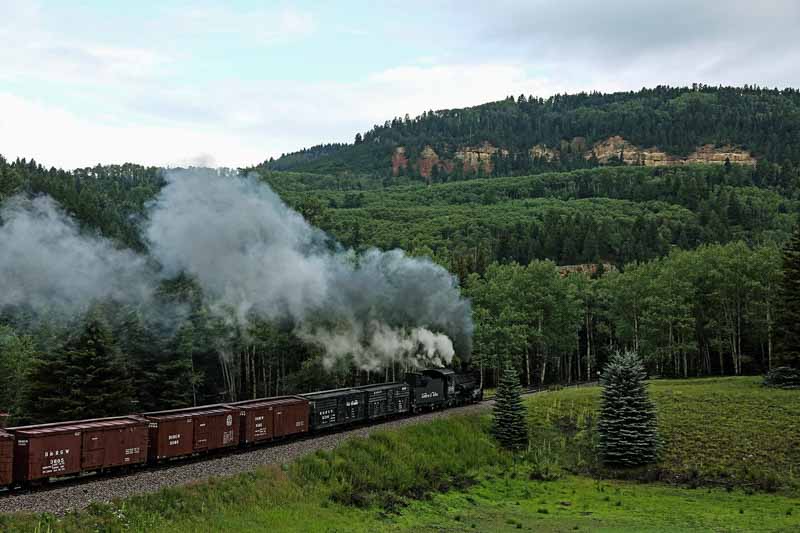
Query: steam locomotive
x=33, y=455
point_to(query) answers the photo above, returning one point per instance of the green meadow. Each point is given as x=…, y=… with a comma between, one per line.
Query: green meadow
x=728, y=463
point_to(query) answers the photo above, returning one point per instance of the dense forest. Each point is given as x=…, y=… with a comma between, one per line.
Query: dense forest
x=682, y=264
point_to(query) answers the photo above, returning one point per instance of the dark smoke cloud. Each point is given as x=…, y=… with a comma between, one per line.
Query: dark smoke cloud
x=254, y=255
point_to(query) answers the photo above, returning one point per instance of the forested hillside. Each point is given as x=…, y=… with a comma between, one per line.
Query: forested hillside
x=526, y=134
x=683, y=261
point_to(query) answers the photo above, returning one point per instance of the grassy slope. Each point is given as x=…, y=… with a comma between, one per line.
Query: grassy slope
x=366, y=484
x=729, y=431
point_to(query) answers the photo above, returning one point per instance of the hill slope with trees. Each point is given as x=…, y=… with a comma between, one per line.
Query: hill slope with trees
x=526, y=134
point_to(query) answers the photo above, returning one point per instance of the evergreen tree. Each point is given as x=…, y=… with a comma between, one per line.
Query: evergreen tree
x=510, y=426
x=788, y=320
x=628, y=429
x=86, y=378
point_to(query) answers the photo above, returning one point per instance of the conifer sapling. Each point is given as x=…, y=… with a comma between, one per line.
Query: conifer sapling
x=628, y=428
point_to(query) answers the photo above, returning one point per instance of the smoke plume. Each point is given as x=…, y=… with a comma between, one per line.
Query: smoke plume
x=254, y=256
x=49, y=266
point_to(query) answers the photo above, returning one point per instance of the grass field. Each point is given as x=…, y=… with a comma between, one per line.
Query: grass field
x=449, y=476
x=724, y=431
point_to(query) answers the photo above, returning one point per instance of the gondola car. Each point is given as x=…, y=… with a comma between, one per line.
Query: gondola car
x=386, y=399
x=337, y=407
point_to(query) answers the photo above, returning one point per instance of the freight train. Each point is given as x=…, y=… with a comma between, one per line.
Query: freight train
x=34, y=455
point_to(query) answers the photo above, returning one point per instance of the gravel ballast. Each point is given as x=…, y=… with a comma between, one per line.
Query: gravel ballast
x=73, y=495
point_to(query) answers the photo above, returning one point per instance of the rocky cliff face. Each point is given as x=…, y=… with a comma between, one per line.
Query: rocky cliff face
x=478, y=158
x=710, y=154
x=473, y=159
x=399, y=160
x=617, y=148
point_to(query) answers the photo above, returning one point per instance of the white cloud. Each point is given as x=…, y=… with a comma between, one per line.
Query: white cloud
x=233, y=125
x=56, y=137
x=265, y=26
x=139, y=111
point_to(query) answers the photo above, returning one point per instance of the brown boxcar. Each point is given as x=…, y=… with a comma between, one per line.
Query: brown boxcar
x=6, y=458
x=66, y=448
x=182, y=432
x=272, y=418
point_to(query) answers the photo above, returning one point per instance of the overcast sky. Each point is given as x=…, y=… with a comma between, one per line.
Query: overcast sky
x=233, y=83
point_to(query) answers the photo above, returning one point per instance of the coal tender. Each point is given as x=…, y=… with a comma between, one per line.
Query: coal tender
x=427, y=392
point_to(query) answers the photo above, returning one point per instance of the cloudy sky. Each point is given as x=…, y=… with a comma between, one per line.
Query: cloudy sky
x=233, y=83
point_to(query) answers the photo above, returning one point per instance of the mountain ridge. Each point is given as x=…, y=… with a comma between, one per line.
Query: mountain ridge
x=659, y=126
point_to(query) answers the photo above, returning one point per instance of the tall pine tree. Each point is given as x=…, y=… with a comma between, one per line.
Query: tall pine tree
x=510, y=426
x=85, y=378
x=788, y=319
x=627, y=426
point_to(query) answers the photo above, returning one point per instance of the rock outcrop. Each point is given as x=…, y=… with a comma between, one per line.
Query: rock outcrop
x=588, y=269
x=544, y=153
x=618, y=149
x=475, y=159
x=710, y=154
x=428, y=159
x=399, y=160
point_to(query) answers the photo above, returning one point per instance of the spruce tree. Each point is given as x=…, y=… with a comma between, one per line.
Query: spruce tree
x=510, y=426
x=85, y=378
x=627, y=426
x=788, y=319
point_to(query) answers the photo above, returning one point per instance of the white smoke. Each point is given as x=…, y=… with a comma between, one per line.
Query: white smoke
x=253, y=255
x=48, y=265
x=381, y=345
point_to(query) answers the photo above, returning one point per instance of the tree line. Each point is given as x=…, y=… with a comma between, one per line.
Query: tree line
x=709, y=311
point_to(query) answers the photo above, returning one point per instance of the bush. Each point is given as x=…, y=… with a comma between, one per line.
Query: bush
x=783, y=377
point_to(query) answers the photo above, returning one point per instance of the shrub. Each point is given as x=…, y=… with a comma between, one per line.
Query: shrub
x=783, y=377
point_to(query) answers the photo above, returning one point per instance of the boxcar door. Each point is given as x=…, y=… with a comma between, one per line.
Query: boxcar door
x=93, y=450
x=201, y=432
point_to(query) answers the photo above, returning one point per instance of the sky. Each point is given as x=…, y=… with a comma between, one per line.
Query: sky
x=174, y=83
